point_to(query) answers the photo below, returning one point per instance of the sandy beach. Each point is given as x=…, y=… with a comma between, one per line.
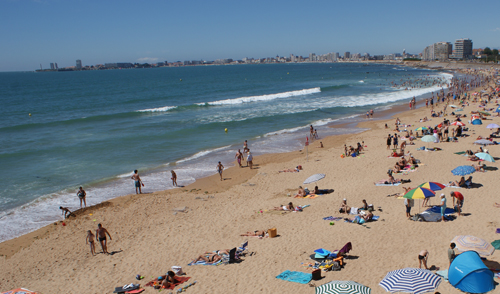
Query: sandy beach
x=153, y=232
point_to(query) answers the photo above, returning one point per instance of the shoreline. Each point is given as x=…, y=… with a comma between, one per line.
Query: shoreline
x=103, y=190
x=149, y=238
x=396, y=108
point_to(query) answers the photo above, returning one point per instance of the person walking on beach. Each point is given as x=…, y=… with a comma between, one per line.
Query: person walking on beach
x=101, y=236
x=220, y=168
x=238, y=157
x=250, y=159
x=174, y=178
x=245, y=147
x=138, y=182
x=371, y=113
x=82, y=196
x=90, y=240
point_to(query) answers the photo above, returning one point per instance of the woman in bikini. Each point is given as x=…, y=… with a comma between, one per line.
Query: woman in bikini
x=260, y=234
x=288, y=207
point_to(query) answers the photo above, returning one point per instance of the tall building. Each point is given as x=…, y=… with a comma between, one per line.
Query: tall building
x=57, y=66
x=428, y=53
x=312, y=56
x=347, y=55
x=52, y=66
x=78, y=64
x=337, y=56
x=442, y=50
x=463, y=49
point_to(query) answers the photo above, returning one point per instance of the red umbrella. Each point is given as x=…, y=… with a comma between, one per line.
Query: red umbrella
x=457, y=123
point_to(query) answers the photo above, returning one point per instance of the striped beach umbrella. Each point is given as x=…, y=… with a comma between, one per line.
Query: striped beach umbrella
x=471, y=243
x=434, y=186
x=485, y=156
x=419, y=193
x=314, y=178
x=421, y=129
x=347, y=287
x=457, y=123
x=410, y=280
x=463, y=170
x=483, y=142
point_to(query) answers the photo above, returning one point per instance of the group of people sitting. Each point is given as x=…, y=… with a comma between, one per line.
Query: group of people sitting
x=463, y=183
x=405, y=164
x=364, y=212
x=349, y=151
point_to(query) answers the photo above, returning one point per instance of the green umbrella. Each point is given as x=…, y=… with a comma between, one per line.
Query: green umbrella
x=338, y=287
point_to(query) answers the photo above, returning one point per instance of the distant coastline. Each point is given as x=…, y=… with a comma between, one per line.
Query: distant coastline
x=442, y=65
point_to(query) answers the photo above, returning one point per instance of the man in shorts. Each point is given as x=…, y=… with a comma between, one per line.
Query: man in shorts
x=101, y=236
x=220, y=169
x=137, y=182
x=460, y=200
x=422, y=259
x=82, y=196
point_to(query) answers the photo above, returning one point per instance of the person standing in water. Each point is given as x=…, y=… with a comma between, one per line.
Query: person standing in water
x=220, y=168
x=174, y=178
x=82, y=195
x=138, y=182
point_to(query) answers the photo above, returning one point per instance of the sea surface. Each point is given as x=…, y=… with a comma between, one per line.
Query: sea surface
x=93, y=128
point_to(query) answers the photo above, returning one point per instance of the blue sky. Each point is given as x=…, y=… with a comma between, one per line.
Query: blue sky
x=44, y=31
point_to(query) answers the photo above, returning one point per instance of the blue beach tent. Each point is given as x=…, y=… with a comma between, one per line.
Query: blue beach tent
x=468, y=273
x=477, y=122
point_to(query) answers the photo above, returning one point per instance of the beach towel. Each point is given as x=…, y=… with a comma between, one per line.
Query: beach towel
x=497, y=231
x=201, y=262
x=312, y=196
x=443, y=273
x=380, y=184
x=347, y=247
x=135, y=291
x=354, y=210
x=331, y=218
x=460, y=153
x=297, y=277
x=178, y=281
x=375, y=217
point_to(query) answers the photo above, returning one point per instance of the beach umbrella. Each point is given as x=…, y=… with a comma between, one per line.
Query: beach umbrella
x=428, y=138
x=457, y=123
x=410, y=280
x=471, y=243
x=485, y=156
x=419, y=193
x=492, y=126
x=483, y=142
x=421, y=129
x=434, y=186
x=459, y=109
x=463, y=170
x=496, y=244
x=338, y=287
x=20, y=291
x=477, y=121
x=314, y=178
x=498, y=109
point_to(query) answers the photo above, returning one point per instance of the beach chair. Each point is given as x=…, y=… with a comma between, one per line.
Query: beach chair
x=242, y=250
x=231, y=258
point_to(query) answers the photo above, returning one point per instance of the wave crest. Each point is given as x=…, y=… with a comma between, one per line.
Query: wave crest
x=159, y=109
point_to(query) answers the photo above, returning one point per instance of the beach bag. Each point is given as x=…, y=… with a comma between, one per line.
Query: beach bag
x=272, y=232
x=335, y=266
x=316, y=274
x=177, y=270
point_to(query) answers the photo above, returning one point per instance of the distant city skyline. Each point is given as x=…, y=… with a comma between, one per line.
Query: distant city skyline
x=49, y=31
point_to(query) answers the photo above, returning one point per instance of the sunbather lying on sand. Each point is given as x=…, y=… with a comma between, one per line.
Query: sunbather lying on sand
x=260, y=234
x=212, y=257
x=479, y=167
x=390, y=180
x=460, y=183
x=497, y=205
x=296, y=170
x=288, y=207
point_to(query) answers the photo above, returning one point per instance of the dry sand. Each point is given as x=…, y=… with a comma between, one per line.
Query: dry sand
x=149, y=238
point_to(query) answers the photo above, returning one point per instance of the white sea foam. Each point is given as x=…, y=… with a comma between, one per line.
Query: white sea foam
x=202, y=153
x=362, y=82
x=159, y=109
x=263, y=97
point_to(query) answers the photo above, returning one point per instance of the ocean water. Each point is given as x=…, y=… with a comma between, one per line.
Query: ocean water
x=93, y=128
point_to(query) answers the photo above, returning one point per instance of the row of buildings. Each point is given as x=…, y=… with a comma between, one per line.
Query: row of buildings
x=444, y=51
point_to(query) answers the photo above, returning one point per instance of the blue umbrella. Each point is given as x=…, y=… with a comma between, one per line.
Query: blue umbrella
x=411, y=280
x=463, y=170
x=485, y=156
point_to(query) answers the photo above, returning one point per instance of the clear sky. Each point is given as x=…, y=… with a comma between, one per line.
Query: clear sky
x=44, y=31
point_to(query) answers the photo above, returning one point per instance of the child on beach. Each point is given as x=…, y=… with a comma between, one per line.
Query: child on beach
x=66, y=212
x=90, y=240
x=174, y=178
